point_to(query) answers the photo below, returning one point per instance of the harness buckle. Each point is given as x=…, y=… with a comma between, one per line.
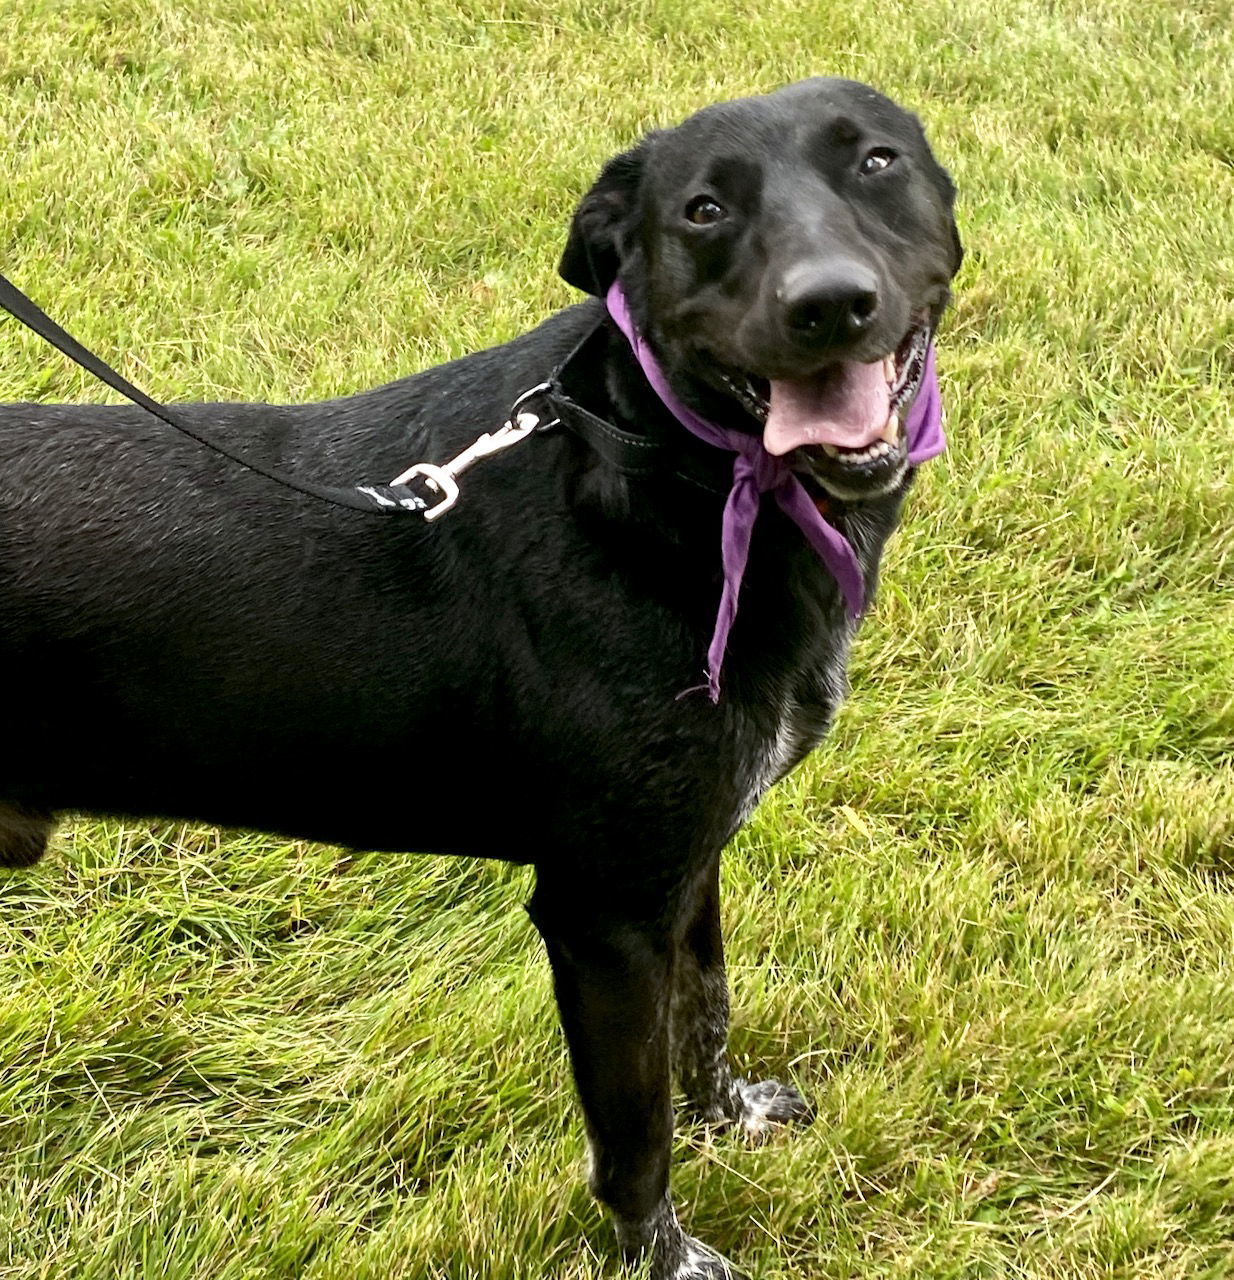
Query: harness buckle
x=443, y=478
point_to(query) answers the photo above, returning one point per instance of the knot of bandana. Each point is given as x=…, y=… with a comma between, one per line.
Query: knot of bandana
x=755, y=472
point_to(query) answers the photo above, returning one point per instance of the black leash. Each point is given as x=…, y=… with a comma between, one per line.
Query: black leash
x=629, y=453
x=372, y=498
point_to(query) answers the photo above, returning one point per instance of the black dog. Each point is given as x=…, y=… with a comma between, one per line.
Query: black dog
x=508, y=682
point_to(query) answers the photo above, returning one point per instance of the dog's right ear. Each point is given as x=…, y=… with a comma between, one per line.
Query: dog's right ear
x=602, y=223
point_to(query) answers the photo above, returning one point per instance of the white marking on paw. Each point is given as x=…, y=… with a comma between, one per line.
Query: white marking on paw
x=755, y=1112
x=696, y=1256
x=764, y=1110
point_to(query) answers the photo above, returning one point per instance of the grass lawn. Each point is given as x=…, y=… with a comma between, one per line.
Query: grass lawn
x=989, y=927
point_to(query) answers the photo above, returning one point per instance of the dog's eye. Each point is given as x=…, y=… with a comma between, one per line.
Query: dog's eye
x=703, y=211
x=877, y=160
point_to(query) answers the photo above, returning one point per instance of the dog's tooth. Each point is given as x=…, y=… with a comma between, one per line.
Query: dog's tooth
x=889, y=368
x=831, y=451
x=891, y=431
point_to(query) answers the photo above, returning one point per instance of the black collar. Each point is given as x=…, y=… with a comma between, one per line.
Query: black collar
x=628, y=452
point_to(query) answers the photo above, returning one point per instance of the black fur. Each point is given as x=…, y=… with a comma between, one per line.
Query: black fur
x=181, y=637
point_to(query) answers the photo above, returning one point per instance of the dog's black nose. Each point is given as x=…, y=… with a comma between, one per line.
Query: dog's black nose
x=829, y=305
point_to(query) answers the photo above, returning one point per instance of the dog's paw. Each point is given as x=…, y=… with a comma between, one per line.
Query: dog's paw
x=694, y=1261
x=767, y=1105
x=673, y=1254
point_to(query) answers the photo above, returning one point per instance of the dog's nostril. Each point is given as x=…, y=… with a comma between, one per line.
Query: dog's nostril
x=834, y=316
x=807, y=316
x=863, y=308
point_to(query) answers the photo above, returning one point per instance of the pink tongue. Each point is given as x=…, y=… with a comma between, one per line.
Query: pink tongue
x=847, y=406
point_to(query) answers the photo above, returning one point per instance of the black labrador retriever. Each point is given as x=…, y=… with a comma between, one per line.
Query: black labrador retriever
x=520, y=680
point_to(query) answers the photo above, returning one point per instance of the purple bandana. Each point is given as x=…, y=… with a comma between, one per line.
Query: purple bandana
x=755, y=472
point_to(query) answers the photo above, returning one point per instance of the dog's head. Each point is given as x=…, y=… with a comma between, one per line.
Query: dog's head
x=787, y=258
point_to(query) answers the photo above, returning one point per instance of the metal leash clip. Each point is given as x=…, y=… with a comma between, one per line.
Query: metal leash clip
x=444, y=477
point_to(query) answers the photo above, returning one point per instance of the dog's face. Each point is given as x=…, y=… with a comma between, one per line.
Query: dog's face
x=787, y=257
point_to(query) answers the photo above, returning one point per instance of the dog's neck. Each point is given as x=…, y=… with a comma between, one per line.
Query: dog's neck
x=664, y=532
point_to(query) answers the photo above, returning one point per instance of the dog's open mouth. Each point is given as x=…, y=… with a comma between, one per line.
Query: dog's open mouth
x=851, y=412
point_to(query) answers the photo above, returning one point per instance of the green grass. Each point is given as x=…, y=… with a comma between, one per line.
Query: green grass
x=989, y=926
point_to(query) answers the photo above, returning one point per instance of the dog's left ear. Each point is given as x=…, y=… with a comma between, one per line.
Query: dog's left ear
x=602, y=223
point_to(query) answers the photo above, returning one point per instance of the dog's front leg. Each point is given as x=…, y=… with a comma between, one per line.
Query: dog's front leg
x=700, y=1033
x=613, y=973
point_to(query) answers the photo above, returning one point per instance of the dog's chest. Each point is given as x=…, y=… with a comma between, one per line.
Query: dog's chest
x=787, y=728
x=791, y=741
